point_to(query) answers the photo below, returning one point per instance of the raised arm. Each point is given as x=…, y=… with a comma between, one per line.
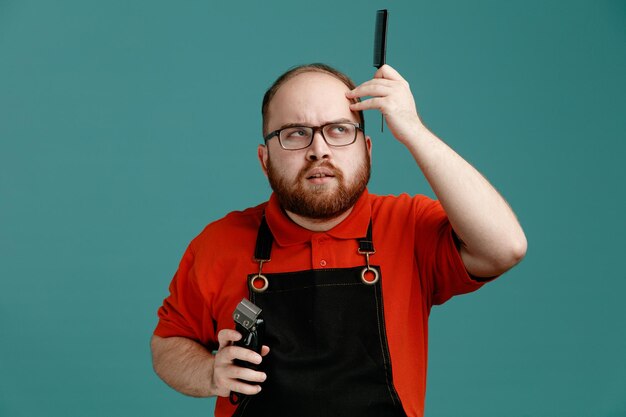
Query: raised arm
x=492, y=240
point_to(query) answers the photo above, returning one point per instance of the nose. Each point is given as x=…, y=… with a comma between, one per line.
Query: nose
x=319, y=149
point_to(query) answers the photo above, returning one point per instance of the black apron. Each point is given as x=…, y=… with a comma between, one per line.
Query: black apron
x=326, y=331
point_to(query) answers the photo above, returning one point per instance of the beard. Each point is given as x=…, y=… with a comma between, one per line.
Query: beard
x=318, y=201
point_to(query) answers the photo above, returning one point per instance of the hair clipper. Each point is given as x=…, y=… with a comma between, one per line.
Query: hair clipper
x=248, y=322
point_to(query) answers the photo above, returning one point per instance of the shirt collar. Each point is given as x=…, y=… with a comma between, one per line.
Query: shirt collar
x=286, y=232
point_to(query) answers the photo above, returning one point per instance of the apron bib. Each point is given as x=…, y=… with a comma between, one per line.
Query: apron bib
x=326, y=331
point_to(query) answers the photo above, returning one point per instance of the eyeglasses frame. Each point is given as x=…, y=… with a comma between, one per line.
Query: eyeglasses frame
x=315, y=129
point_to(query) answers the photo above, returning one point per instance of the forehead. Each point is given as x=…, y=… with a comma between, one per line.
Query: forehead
x=311, y=98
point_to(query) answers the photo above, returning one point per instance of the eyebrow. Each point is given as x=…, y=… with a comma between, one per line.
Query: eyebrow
x=301, y=124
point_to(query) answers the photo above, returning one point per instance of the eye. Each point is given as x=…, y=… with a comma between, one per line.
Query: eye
x=339, y=130
x=295, y=133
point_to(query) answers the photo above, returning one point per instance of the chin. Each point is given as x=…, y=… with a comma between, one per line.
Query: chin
x=322, y=188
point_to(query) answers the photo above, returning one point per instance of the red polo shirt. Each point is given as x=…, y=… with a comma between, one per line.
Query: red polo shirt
x=415, y=249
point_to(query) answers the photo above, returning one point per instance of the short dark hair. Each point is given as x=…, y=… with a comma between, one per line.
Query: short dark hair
x=301, y=69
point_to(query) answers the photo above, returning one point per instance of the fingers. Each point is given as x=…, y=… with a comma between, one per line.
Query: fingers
x=243, y=388
x=228, y=376
x=388, y=72
x=387, y=92
x=386, y=81
x=265, y=350
x=245, y=374
x=384, y=93
x=390, y=94
x=372, y=103
x=236, y=352
x=375, y=88
x=228, y=353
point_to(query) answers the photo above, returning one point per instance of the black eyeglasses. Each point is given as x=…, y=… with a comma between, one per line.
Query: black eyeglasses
x=293, y=138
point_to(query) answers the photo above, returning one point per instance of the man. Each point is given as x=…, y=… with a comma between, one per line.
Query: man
x=345, y=279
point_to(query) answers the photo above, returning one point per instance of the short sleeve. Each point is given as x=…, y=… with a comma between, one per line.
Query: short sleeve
x=183, y=312
x=437, y=253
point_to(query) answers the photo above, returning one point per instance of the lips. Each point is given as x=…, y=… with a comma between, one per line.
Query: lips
x=319, y=172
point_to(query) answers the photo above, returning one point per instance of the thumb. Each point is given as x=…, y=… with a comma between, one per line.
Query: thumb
x=226, y=336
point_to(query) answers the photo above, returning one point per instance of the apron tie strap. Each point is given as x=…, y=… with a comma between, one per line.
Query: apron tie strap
x=366, y=244
x=262, y=253
x=369, y=275
x=263, y=250
x=264, y=240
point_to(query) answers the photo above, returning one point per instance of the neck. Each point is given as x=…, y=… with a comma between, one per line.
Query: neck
x=318, y=225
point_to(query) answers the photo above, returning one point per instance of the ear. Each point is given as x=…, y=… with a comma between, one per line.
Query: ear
x=262, y=155
x=368, y=145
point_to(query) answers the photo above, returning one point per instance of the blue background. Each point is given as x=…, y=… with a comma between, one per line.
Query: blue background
x=125, y=127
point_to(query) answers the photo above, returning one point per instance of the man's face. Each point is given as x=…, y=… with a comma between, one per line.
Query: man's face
x=318, y=182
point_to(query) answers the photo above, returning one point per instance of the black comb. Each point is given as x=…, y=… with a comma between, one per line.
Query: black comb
x=380, y=45
x=380, y=38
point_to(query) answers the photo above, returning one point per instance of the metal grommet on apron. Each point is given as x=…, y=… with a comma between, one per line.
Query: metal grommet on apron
x=369, y=270
x=259, y=278
x=328, y=345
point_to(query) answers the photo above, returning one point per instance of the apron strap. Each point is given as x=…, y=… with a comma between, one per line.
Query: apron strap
x=264, y=240
x=366, y=244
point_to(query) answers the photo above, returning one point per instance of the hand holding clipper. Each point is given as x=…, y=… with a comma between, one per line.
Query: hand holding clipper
x=250, y=324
